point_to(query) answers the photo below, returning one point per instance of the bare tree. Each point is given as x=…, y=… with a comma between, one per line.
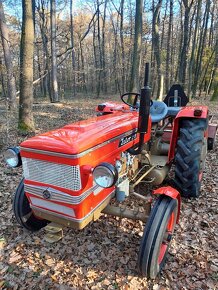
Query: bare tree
x=185, y=41
x=156, y=44
x=73, y=48
x=42, y=7
x=26, y=122
x=11, y=86
x=104, y=85
x=136, y=62
x=169, y=48
x=191, y=62
x=201, y=45
x=122, y=45
x=54, y=81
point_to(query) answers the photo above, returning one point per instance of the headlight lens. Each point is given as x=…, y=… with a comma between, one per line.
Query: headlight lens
x=12, y=157
x=105, y=175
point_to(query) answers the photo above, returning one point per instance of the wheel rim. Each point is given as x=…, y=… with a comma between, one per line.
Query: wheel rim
x=25, y=211
x=167, y=238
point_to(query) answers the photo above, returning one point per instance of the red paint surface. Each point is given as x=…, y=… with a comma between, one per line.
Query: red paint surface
x=171, y=192
x=186, y=112
x=79, y=137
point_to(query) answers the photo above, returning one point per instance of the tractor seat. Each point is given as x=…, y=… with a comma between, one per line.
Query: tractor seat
x=158, y=111
x=173, y=111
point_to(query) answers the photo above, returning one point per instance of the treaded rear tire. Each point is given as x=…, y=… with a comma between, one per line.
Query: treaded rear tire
x=190, y=156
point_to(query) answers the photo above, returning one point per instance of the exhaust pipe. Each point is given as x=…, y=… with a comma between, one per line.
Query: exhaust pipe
x=144, y=110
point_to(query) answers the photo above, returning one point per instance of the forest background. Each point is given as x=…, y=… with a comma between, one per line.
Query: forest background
x=58, y=60
x=60, y=50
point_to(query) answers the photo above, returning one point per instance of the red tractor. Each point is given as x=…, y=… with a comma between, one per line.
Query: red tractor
x=73, y=174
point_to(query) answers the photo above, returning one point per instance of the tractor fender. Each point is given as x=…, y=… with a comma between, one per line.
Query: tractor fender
x=171, y=192
x=197, y=112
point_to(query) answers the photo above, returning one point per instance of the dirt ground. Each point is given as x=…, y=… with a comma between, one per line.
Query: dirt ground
x=104, y=254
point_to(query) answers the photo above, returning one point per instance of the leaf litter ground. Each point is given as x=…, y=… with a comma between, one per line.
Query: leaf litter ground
x=104, y=254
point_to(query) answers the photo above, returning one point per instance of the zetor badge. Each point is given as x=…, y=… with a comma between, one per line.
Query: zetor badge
x=71, y=175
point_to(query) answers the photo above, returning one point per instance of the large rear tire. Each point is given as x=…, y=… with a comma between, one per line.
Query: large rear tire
x=23, y=212
x=157, y=236
x=190, y=156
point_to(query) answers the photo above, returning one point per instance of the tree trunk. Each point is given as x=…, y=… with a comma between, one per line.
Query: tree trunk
x=11, y=86
x=214, y=76
x=184, y=50
x=136, y=62
x=83, y=68
x=163, y=26
x=215, y=93
x=95, y=57
x=99, y=50
x=122, y=47
x=191, y=62
x=46, y=56
x=3, y=92
x=26, y=122
x=54, y=81
x=73, y=50
x=169, y=48
x=115, y=56
x=212, y=28
x=156, y=44
x=104, y=85
x=201, y=49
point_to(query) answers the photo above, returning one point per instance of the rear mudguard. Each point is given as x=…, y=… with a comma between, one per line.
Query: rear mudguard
x=171, y=192
x=186, y=112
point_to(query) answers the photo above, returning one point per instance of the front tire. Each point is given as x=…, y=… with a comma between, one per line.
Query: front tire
x=157, y=236
x=23, y=212
x=190, y=157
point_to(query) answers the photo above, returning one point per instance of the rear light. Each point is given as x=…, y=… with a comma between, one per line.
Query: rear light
x=197, y=112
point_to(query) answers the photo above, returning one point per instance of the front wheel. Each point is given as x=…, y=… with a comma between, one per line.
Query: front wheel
x=23, y=212
x=157, y=236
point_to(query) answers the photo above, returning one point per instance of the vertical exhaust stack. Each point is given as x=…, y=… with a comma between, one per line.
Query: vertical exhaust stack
x=144, y=110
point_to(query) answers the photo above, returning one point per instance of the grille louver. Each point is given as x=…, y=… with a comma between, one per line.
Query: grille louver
x=62, y=175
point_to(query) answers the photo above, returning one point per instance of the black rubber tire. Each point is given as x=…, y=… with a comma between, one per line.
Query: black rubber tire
x=23, y=213
x=157, y=236
x=190, y=157
x=210, y=143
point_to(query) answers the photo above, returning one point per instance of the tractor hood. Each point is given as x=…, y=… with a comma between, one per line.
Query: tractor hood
x=80, y=136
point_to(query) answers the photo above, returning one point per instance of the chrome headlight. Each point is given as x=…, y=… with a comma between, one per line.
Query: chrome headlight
x=105, y=175
x=12, y=157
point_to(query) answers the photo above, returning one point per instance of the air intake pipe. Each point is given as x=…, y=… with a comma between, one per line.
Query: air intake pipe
x=144, y=110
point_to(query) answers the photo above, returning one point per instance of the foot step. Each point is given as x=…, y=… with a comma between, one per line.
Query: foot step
x=54, y=233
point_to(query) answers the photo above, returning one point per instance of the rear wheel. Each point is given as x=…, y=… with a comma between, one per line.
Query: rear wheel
x=190, y=157
x=210, y=143
x=157, y=236
x=23, y=212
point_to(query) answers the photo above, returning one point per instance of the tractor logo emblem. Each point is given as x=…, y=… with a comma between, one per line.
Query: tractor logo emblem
x=46, y=194
x=127, y=139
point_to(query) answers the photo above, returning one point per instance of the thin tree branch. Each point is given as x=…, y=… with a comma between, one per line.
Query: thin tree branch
x=84, y=35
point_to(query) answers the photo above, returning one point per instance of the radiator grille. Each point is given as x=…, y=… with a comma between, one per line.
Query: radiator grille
x=61, y=175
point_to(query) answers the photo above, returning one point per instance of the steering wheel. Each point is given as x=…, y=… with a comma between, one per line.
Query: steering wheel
x=132, y=99
x=133, y=103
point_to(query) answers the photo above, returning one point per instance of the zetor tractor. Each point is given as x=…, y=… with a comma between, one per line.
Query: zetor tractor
x=72, y=174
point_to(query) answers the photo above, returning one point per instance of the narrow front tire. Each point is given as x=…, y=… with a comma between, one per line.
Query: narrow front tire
x=157, y=236
x=23, y=212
